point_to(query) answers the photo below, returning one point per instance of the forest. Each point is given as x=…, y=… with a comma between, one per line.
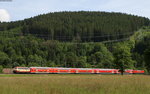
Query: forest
x=83, y=26
x=76, y=39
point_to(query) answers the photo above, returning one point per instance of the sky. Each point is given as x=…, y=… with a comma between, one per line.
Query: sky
x=21, y=9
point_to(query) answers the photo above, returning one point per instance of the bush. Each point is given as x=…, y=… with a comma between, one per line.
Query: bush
x=1, y=69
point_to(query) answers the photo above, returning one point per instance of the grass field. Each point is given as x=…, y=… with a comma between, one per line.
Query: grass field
x=74, y=84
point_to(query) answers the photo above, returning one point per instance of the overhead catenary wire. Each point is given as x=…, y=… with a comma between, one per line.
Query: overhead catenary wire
x=71, y=37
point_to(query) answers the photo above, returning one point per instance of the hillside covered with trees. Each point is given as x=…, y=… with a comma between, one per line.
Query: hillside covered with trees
x=73, y=39
x=82, y=26
x=33, y=51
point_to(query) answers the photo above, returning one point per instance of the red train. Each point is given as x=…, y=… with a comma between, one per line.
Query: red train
x=72, y=70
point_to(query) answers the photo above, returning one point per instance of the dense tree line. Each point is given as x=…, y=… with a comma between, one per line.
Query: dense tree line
x=33, y=51
x=70, y=39
x=82, y=26
x=141, y=51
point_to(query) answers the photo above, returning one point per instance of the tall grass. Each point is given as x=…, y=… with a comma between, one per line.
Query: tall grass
x=75, y=84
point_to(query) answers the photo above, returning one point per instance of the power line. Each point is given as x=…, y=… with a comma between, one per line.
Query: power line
x=48, y=35
x=71, y=37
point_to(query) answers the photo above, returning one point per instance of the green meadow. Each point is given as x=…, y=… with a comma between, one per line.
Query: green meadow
x=74, y=84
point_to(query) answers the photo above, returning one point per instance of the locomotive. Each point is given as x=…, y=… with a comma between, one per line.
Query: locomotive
x=59, y=70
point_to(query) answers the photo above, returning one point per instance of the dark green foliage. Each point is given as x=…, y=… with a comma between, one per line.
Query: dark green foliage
x=123, y=59
x=4, y=59
x=32, y=51
x=147, y=59
x=140, y=64
x=81, y=26
x=1, y=69
x=56, y=40
x=101, y=56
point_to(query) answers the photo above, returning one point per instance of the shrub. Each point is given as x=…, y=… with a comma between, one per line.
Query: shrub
x=1, y=69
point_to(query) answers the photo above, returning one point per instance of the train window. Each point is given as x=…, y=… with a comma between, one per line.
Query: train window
x=23, y=68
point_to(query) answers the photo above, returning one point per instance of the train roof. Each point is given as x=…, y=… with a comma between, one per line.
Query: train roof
x=71, y=68
x=21, y=67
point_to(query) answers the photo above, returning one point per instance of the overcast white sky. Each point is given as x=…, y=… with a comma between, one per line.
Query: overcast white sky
x=21, y=9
